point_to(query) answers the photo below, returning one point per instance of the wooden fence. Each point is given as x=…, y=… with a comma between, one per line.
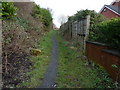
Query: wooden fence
x=100, y=54
x=76, y=31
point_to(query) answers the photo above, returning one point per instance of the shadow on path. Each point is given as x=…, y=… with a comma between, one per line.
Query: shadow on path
x=50, y=75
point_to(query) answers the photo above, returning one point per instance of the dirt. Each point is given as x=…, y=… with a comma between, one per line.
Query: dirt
x=14, y=68
x=17, y=42
x=50, y=75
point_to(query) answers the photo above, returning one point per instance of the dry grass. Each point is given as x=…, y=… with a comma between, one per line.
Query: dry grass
x=19, y=36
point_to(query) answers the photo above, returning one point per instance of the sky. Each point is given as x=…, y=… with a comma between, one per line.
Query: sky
x=70, y=7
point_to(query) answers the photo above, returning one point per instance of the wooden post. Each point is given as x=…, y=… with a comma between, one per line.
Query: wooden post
x=86, y=28
x=1, y=83
x=78, y=31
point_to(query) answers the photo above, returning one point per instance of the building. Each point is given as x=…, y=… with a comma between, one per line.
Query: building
x=111, y=11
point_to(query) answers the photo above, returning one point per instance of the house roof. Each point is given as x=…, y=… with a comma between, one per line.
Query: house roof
x=114, y=9
x=115, y=1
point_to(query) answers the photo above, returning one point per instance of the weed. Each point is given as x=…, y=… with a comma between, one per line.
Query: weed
x=40, y=62
x=22, y=22
x=74, y=73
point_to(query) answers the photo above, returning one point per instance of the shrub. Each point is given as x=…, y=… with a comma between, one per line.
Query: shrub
x=94, y=19
x=47, y=18
x=8, y=10
x=43, y=15
x=107, y=32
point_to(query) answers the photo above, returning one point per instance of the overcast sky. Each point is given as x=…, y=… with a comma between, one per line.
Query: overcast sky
x=70, y=7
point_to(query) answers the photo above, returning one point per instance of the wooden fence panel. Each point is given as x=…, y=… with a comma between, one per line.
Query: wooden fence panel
x=76, y=31
x=100, y=54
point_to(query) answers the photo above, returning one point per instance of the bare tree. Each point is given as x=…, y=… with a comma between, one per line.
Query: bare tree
x=62, y=19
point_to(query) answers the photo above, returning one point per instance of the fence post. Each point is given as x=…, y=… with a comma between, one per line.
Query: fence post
x=70, y=29
x=86, y=28
x=78, y=31
x=74, y=30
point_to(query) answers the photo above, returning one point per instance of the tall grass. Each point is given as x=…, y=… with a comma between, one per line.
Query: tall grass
x=73, y=71
x=40, y=63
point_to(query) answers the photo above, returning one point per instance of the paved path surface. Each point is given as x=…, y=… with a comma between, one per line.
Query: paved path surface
x=48, y=81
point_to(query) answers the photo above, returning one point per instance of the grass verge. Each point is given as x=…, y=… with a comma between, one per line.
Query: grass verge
x=40, y=62
x=73, y=71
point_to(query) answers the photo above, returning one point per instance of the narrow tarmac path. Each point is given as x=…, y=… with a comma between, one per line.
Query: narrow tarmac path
x=50, y=75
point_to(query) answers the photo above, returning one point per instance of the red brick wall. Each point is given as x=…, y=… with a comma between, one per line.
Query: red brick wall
x=109, y=14
x=97, y=53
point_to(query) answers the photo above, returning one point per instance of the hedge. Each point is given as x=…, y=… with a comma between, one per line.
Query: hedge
x=107, y=32
x=43, y=15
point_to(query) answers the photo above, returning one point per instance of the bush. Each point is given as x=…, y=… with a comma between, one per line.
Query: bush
x=107, y=32
x=8, y=10
x=94, y=19
x=47, y=18
x=43, y=15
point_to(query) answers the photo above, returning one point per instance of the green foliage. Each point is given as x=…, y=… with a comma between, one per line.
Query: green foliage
x=40, y=63
x=95, y=17
x=74, y=72
x=43, y=15
x=8, y=10
x=107, y=32
x=105, y=81
x=37, y=12
x=23, y=22
x=47, y=18
x=114, y=66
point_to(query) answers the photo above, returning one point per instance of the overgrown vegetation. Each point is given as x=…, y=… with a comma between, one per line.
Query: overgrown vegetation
x=20, y=32
x=24, y=23
x=8, y=10
x=94, y=17
x=101, y=29
x=43, y=15
x=74, y=72
x=107, y=32
x=15, y=60
x=40, y=63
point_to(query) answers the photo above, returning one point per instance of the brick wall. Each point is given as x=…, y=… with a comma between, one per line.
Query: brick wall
x=109, y=14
